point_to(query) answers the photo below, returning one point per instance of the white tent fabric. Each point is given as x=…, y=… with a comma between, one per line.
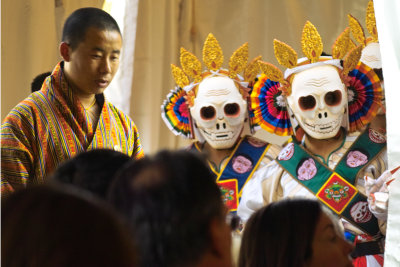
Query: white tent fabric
x=388, y=23
x=119, y=91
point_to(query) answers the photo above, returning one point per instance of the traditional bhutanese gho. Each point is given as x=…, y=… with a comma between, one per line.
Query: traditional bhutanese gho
x=51, y=126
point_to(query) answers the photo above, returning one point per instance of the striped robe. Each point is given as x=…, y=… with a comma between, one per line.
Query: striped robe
x=51, y=126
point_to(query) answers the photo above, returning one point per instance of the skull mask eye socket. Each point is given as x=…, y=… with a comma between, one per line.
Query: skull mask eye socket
x=232, y=110
x=207, y=113
x=307, y=102
x=333, y=98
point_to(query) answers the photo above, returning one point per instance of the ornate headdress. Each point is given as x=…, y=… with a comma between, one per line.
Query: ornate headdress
x=357, y=29
x=370, y=54
x=175, y=109
x=268, y=95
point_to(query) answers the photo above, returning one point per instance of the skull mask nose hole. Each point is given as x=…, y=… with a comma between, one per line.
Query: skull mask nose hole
x=217, y=126
x=320, y=115
x=326, y=115
x=224, y=125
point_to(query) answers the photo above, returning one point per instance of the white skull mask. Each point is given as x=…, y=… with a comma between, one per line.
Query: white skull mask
x=219, y=111
x=318, y=101
x=371, y=56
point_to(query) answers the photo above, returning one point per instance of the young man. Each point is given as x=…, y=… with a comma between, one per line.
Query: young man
x=69, y=114
x=333, y=150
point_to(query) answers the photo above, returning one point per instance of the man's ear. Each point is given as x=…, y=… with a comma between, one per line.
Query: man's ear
x=65, y=51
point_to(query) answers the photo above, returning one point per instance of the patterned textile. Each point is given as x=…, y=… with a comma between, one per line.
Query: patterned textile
x=51, y=126
x=276, y=184
x=233, y=167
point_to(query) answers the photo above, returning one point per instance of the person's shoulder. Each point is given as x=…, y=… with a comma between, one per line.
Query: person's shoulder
x=25, y=105
x=30, y=105
x=113, y=107
x=125, y=118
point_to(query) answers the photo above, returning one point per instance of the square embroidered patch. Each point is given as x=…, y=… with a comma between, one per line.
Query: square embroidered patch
x=337, y=193
x=229, y=193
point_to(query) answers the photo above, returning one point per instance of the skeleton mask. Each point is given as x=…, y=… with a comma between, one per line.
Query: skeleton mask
x=318, y=101
x=219, y=111
x=371, y=56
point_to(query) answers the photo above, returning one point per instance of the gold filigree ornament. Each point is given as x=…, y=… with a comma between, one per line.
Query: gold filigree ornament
x=311, y=42
x=312, y=48
x=285, y=55
x=357, y=30
x=252, y=69
x=190, y=64
x=370, y=22
x=238, y=60
x=351, y=60
x=341, y=45
x=179, y=76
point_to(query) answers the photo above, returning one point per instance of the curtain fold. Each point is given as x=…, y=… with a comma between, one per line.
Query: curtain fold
x=388, y=22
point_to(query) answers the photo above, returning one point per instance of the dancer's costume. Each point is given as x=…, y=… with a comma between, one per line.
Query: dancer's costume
x=213, y=109
x=320, y=98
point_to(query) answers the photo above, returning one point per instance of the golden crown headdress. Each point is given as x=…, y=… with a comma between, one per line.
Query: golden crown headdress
x=175, y=110
x=312, y=47
x=271, y=112
x=358, y=31
x=213, y=59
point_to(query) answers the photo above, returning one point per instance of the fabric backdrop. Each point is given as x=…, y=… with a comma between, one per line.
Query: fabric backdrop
x=30, y=35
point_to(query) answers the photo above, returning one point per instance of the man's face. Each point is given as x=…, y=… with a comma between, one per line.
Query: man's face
x=91, y=66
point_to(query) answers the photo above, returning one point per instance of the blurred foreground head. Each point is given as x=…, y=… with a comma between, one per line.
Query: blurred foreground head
x=48, y=226
x=174, y=209
x=293, y=233
x=91, y=170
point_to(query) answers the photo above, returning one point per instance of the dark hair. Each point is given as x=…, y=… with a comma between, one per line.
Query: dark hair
x=79, y=21
x=38, y=81
x=169, y=201
x=48, y=226
x=280, y=234
x=91, y=170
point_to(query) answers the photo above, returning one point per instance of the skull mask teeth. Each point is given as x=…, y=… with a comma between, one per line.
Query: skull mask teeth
x=318, y=101
x=219, y=111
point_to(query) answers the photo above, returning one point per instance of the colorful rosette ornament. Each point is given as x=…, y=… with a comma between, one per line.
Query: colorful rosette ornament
x=175, y=113
x=364, y=96
x=269, y=107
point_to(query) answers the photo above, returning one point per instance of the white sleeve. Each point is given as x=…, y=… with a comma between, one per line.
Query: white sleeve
x=252, y=195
